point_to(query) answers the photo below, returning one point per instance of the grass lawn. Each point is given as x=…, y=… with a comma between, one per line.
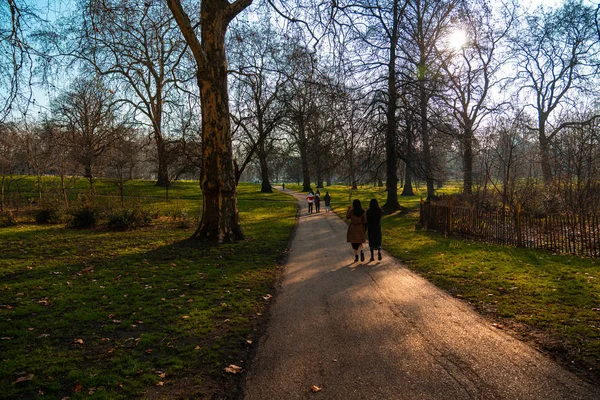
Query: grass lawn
x=552, y=301
x=137, y=313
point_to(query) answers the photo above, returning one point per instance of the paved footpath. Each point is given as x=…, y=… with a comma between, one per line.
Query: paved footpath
x=375, y=330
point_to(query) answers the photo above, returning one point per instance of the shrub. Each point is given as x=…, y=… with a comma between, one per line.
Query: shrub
x=7, y=218
x=84, y=218
x=48, y=216
x=128, y=219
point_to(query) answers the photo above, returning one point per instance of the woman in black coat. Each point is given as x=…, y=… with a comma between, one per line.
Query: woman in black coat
x=374, y=215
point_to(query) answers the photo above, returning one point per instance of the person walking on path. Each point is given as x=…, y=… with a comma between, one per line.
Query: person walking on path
x=327, y=199
x=283, y=186
x=310, y=199
x=318, y=202
x=356, y=230
x=374, y=215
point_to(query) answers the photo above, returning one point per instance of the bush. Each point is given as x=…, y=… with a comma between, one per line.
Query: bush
x=7, y=218
x=84, y=218
x=128, y=219
x=48, y=216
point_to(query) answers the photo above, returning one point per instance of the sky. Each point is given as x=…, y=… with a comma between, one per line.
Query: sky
x=49, y=9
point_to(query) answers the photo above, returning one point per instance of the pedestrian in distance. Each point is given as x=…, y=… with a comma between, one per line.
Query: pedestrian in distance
x=283, y=186
x=318, y=202
x=374, y=215
x=310, y=200
x=327, y=199
x=356, y=230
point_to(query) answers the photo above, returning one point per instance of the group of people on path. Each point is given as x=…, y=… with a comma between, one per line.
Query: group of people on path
x=315, y=199
x=361, y=222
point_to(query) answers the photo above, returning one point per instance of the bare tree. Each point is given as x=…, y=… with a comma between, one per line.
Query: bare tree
x=123, y=157
x=557, y=60
x=220, y=217
x=471, y=71
x=138, y=46
x=256, y=55
x=87, y=121
x=41, y=152
x=426, y=23
x=16, y=55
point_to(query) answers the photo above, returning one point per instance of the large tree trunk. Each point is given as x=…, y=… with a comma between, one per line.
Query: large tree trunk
x=163, y=171
x=88, y=174
x=220, y=218
x=390, y=132
x=468, y=161
x=264, y=169
x=545, y=153
x=319, y=172
x=427, y=161
x=303, y=147
x=407, y=189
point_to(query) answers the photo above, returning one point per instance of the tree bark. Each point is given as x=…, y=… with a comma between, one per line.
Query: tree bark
x=391, y=123
x=303, y=147
x=163, y=171
x=264, y=169
x=468, y=161
x=220, y=217
x=544, y=152
x=407, y=189
x=427, y=162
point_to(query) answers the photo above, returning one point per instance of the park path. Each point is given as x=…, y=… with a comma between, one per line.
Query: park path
x=375, y=330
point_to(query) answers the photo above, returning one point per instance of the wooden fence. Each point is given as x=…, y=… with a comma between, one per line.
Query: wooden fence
x=572, y=234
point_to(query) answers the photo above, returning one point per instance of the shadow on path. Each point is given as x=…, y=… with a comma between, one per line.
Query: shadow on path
x=375, y=330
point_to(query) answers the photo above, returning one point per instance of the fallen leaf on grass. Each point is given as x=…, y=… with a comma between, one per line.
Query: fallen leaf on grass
x=160, y=383
x=267, y=297
x=497, y=326
x=249, y=341
x=78, y=388
x=233, y=369
x=25, y=378
x=197, y=348
x=149, y=351
x=185, y=317
x=315, y=389
x=78, y=341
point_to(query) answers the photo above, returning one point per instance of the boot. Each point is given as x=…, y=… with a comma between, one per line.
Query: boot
x=355, y=257
x=362, y=256
x=379, y=255
x=372, y=257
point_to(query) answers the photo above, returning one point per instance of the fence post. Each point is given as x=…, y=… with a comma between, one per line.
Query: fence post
x=518, y=221
x=450, y=208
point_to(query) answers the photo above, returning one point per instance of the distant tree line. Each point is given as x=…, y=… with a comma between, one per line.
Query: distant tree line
x=395, y=93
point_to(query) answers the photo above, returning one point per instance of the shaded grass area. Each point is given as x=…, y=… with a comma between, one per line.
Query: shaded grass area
x=552, y=301
x=139, y=313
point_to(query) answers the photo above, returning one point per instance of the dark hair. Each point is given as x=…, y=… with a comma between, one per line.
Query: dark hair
x=374, y=209
x=357, y=208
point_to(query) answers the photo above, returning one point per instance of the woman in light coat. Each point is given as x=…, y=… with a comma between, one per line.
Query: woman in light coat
x=356, y=230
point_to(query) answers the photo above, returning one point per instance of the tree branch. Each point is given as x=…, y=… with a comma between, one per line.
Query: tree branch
x=188, y=33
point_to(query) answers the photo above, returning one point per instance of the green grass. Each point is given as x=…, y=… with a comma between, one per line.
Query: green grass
x=113, y=314
x=553, y=301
